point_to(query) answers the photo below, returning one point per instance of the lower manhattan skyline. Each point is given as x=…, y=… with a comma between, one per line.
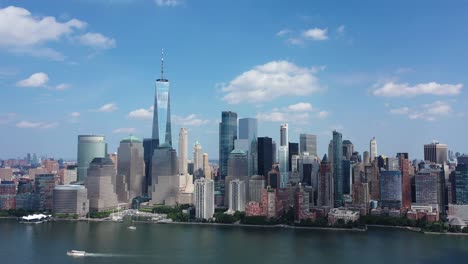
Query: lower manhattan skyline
x=322, y=71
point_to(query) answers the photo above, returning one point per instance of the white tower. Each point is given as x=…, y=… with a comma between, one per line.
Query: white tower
x=204, y=198
x=284, y=135
x=183, y=150
x=373, y=149
x=197, y=158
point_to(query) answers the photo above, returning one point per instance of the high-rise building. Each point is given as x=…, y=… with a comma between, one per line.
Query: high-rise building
x=373, y=149
x=130, y=181
x=306, y=168
x=273, y=152
x=50, y=166
x=248, y=131
x=165, y=188
x=89, y=147
x=114, y=158
x=237, y=195
x=284, y=139
x=204, y=198
x=162, y=110
x=70, y=175
x=43, y=192
x=348, y=149
x=256, y=186
x=308, y=143
x=283, y=165
x=227, y=136
x=435, y=152
x=325, y=184
x=461, y=183
x=390, y=189
x=237, y=169
x=24, y=196
x=100, y=184
x=347, y=176
x=149, y=145
x=183, y=150
x=197, y=159
x=206, y=167
x=274, y=179
x=405, y=182
x=293, y=149
x=366, y=158
x=265, y=157
x=71, y=199
x=338, y=168
x=427, y=183
x=7, y=195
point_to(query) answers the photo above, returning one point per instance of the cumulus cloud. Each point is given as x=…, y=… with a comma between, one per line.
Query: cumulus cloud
x=283, y=32
x=190, y=120
x=40, y=125
x=429, y=112
x=62, y=86
x=38, y=79
x=96, y=40
x=300, y=113
x=269, y=81
x=108, y=108
x=124, y=130
x=141, y=113
x=392, y=89
x=316, y=34
x=168, y=2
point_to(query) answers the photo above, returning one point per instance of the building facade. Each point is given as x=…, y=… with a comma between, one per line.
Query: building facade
x=183, y=151
x=435, y=152
x=89, y=147
x=308, y=143
x=227, y=136
x=71, y=199
x=237, y=195
x=390, y=189
x=130, y=181
x=100, y=185
x=338, y=168
x=204, y=198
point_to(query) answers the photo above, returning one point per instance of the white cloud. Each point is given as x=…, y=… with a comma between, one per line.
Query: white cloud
x=167, y=2
x=75, y=114
x=62, y=86
x=190, y=120
x=141, y=113
x=124, y=130
x=38, y=79
x=429, y=112
x=300, y=107
x=315, y=34
x=391, y=89
x=295, y=41
x=283, y=32
x=323, y=114
x=96, y=40
x=108, y=108
x=41, y=125
x=39, y=52
x=269, y=81
x=18, y=27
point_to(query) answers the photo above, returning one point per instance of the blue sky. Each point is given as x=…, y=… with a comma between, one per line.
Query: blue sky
x=395, y=70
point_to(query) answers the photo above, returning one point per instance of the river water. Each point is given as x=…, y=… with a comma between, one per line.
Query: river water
x=110, y=242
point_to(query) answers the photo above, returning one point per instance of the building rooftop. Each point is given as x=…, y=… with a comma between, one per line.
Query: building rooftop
x=131, y=139
x=102, y=161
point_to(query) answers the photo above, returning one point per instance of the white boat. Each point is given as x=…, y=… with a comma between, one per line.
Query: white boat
x=76, y=253
x=132, y=227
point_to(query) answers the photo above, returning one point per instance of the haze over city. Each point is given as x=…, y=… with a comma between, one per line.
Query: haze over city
x=395, y=71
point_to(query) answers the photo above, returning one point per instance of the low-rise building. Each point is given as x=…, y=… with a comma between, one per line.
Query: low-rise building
x=7, y=195
x=71, y=199
x=345, y=214
x=459, y=210
x=253, y=208
x=420, y=211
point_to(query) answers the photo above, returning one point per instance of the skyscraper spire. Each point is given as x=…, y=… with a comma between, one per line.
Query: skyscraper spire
x=162, y=64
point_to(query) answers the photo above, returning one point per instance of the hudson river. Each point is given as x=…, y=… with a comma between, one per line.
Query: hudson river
x=110, y=242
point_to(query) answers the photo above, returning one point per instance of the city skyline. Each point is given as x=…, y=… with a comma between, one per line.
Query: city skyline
x=91, y=77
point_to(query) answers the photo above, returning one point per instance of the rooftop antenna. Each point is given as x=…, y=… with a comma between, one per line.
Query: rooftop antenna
x=162, y=64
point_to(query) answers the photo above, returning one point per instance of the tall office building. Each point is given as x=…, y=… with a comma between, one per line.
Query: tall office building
x=308, y=143
x=256, y=186
x=283, y=165
x=166, y=183
x=227, y=136
x=373, y=149
x=89, y=147
x=162, y=110
x=237, y=169
x=204, y=198
x=293, y=149
x=366, y=158
x=197, y=159
x=183, y=150
x=390, y=189
x=306, y=168
x=273, y=152
x=43, y=192
x=461, y=183
x=284, y=139
x=338, y=168
x=265, y=157
x=130, y=181
x=427, y=183
x=206, y=167
x=100, y=184
x=347, y=176
x=237, y=195
x=149, y=145
x=325, y=184
x=8, y=195
x=405, y=181
x=248, y=131
x=348, y=149
x=436, y=152
x=71, y=199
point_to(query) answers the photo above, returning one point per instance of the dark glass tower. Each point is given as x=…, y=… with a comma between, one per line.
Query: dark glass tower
x=227, y=135
x=265, y=157
x=293, y=149
x=338, y=168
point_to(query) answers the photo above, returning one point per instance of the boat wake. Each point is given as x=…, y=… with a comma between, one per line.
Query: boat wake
x=111, y=255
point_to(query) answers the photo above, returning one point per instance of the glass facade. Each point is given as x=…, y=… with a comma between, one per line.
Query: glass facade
x=265, y=158
x=338, y=168
x=461, y=183
x=283, y=165
x=162, y=113
x=390, y=189
x=227, y=136
x=89, y=147
x=248, y=131
x=308, y=143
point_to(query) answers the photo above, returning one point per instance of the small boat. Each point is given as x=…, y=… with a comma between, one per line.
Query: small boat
x=132, y=227
x=76, y=253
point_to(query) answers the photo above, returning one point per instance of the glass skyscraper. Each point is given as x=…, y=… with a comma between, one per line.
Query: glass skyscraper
x=308, y=143
x=338, y=167
x=89, y=147
x=265, y=157
x=390, y=189
x=162, y=111
x=227, y=135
